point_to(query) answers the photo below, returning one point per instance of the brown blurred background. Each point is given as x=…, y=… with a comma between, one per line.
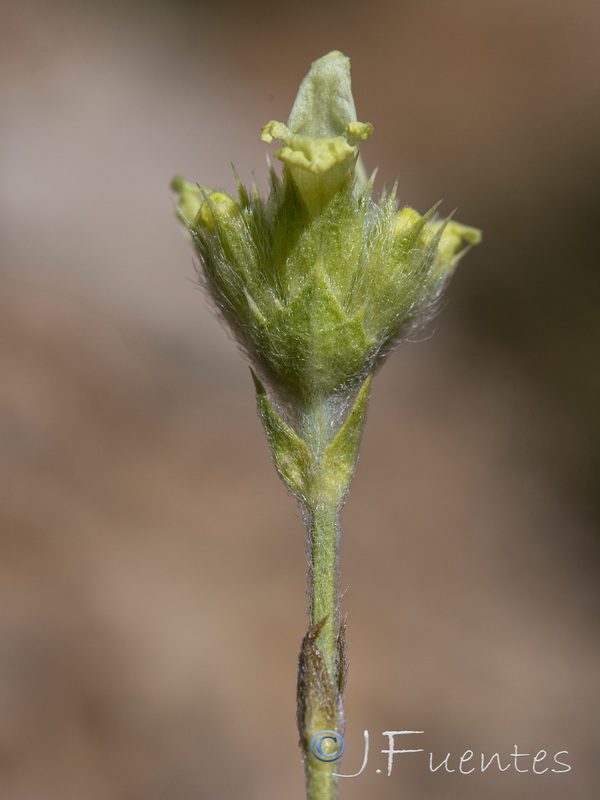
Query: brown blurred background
x=152, y=569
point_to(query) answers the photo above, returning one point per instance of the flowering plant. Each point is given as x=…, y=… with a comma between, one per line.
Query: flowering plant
x=318, y=283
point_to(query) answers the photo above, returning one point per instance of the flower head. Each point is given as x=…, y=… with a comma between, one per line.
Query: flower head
x=319, y=281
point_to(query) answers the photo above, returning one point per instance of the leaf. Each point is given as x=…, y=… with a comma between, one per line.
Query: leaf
x=290, y=453
x=339, y=458
x=316, y=696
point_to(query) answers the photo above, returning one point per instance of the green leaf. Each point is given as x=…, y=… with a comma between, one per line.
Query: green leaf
x=290, y=453
x=339, y=458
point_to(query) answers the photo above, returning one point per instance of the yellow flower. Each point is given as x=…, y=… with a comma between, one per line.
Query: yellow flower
x=321, y=137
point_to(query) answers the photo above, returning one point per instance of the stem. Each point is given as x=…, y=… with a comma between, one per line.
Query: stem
x=321, y=784
x=322, y=516
x=324, y=535
x=323, y=529
x=316, y=462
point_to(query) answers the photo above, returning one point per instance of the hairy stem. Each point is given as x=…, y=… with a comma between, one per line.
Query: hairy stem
x=326, y=701
x=322, y=516
x=324, y=534
x=321, y=784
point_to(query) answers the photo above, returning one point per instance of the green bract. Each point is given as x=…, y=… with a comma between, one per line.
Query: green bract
x=318, y=280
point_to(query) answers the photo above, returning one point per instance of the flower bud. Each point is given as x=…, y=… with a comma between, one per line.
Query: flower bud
x=190, y=199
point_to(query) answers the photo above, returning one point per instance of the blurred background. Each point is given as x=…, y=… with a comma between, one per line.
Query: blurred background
x=152, y=572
